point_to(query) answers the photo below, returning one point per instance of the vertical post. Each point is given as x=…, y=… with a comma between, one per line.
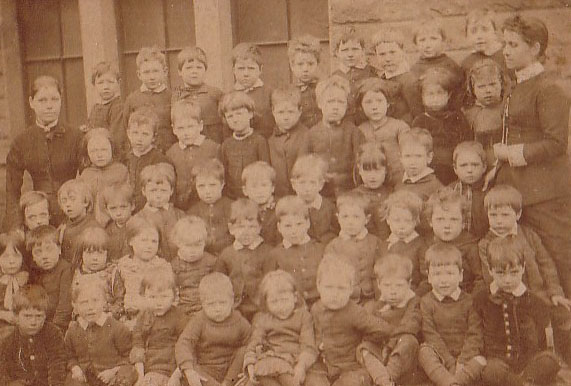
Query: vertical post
x=213, y=25
x=98, y=38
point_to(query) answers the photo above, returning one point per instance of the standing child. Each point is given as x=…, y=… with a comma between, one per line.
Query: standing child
x=158, y=183
x=156, y=332
x=211, y=347
x=289, y=139
x=335, y=139
x=191, y=262
x=374, y=98
x=51, y=272
x=35, y=210
x=243, y=261
x=153, y=93
x=244, y=146
x=283, y=329
x=98, y=345
x=192, y=148
x=118, y=203
x=192, y=67
x=213, y=208
x=34, y=353
x=453, y=342
x=304, y=53
x=445, y=123
x=247, y=68
x=101, y=169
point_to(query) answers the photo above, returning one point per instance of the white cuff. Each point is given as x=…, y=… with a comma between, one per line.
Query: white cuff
x=515, y=155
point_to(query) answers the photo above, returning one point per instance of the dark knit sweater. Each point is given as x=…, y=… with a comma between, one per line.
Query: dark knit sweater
x=310, y=112
x=405, y=320
x=413, y=250
x=187, y=278
x=423, y=187
x=377, y=225
x=323, y=222
x=216, y=217
x=70, y=232
x=118, y=243
x=110, y=116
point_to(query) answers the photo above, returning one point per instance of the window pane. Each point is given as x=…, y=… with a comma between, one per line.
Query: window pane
x=39, y=26
x=180, y=23
x=142, y=22
x=261, y=20
x=71, y=30
x=74, y=93
x=309, y=17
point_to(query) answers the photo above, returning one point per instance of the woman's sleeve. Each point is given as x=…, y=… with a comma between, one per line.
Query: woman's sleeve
x=15, y=167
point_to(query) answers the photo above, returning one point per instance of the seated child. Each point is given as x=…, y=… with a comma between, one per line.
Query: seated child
x=469, y=160
x=390, y=56
x=101, y=170
x=304, y=54
x=213, y=208
x=156, y=332
x=258, y=181
x=486, y=87
x=34, y=353
x=243, y=261
x=352, y=65
x=515, y=320
x=192, y=67
x=141, y=132
x=446, y=211
x=395, y=360
x=98, y=345
x=158, y=182
x=289, y=139
x=307, y=179
x=211, y=347
x=453, y=342
x=416, y=155
x=298, y=253
x=247, y=68
x=108, y=111
x=118, y=202
x=283, y=329
x=244, y=146
x=445, y=123
x=13, y=277
x=403, y=216
x=93, y=262
x=192, y=148
x=152, y=72
x=341, y=325
x=76, y=202
x=51, y=272
x=143, y=238
x=373, y=98
x=356, y=244
x=335, y=139
x=191, y=262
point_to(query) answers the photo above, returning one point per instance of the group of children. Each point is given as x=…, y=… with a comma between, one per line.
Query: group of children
x=306, y=235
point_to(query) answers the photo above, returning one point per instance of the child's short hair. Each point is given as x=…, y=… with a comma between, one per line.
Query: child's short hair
x=349, y=34
x=334, y=81
x=244, y=51
x=215, y=282
x=407, y=200
x=93, y=239
x=387, y=36
x=439, y=76
x=291, y=206
x=309, y=164
x=78, y=187
x=235, y=100
x=41, y=234
x=503, y=195
x=417, y=136
x=31, y=296
x=102, y=68
x=393, y=265
x=258, y=170
x=187, y=108
x=12, y=240
x=243, y=209
x=136, y=225
x=444, y=198
x=531, y=29
x=332, y=264
x=44, y=81
x=505, y=253
x=278, y=279
x=158, y=279
x=209, y=168
x=469, y=146
x=483, y=67
x=158, y=173
x=88, y=283
x=352, y=199
x=151, y=54
x=189, y=54
x=429, y=24
x=188, y=226
x=122, y=192
x=286, y=94
x=306, y=44
x=144, y=116
x=442, y=254
x=32, y=197
x=375, y=85
x=480, y=15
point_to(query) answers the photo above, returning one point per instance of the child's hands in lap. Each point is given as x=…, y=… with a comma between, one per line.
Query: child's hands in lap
x=106, y=376
x=77, y=374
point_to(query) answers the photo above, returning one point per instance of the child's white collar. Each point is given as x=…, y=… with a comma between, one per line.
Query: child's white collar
x=345, y=69
x=158, y=90
x=426, y=172
x=253, y=245
x=393, y=239
x=155, y=209
x=257, y=84
x=409, y=295
x=197, y=142
x=511, y=232
x=401, y=69
x=244, y=136
x=139, y=155
x=287, y=244
x=519, y=291
x=454, y=295
x=360, y=236
x=100, y=321
x=316, y=204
